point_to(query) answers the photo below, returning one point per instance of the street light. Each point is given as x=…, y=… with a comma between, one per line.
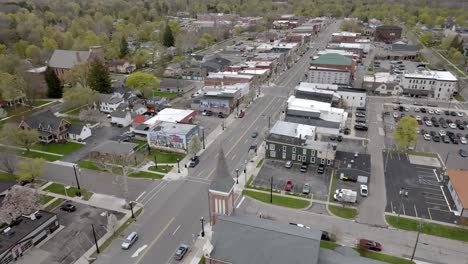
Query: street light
x=271, y=189
x=203, y=137
x=178, y=166
x=131, y=209
x=78, y=193
x=237, y=176
x=202, y=220
x=403, y=193
x=95, y=240
x=155, y=161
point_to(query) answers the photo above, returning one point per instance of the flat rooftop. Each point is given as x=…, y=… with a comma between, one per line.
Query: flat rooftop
x=172, y=115
x=435, y=75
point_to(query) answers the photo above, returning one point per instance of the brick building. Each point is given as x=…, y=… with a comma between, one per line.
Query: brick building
x=348, y=37
x=227, y=78
x=334, y=61
x=387, y=34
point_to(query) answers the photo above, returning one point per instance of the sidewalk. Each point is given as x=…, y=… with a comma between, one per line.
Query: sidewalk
x=196, y=250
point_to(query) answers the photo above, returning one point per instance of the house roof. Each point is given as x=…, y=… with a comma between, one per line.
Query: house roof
x=139, y=119
x=67, y=58
x=174, y=128
x=244, y=239
x=75, y=129
x=43, y=119
x=170, y=115
x=173, y=83
x=332, y=59
x=115, y=147
x=119, y=114
x=404, y=47
x=222, y=181
x=459, y=180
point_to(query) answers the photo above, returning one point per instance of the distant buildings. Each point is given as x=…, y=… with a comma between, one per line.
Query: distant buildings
x=331, y=93
x=344, y=36
x=332, y=68
x=62, y=61
x=398, y=52
x=439, y=85
x=458, y=180
x=387, y=34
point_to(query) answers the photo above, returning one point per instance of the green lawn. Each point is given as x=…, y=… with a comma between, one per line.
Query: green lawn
x=343, y=212
x=259, y=164
x=165, y=94
x=71, y=192
x=145, y=174
x=277, y=200
x=459, y=98
x=429, y=228
x=57, y=148
x=35, y=155
x=45, y=199
x=7, y=176
x=86, y=164
x=202, y=260
x=165, y=157
x=328, y=244
x=139, y=142
x=161, y=169
x=54, y=204
x=40, y=102
x=383, y=257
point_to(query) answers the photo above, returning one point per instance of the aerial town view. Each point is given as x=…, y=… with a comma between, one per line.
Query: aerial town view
x=233, y=132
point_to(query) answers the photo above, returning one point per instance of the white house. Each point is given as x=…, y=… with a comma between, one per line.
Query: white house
x=435, y=84
x=110, y=103
x=79, y=132
x=121, y=66
x=121, y=119
x=139, y=109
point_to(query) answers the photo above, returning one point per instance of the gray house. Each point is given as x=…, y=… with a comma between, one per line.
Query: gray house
x=297, y=142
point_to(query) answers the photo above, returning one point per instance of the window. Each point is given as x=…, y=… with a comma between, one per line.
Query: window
x=312, y=159
x=313, y=153
x=284, y=148
x=328, y=162
x=293, y=157
x=304, y=158
x=299, y=157
x=283, y=155
x=272, y=146
x=294, y=150
x=322, y=161
x=273, y=154
x=304, y=151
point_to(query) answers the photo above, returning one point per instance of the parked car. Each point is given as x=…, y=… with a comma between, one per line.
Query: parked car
x=370, y=245
x=423, y=110
x=437, y=112
x=254, y=134
x=347, y=131
x=347, y=178
x=360, y=114
x=194, y=162
x=306, y=188
x=447, y=112
x=445, y=139
x=363, y=190
x=427, y=137
x=360, y=127
x=130, y=240
x=180, y=252
x=339, y=138
x=325, y=236
x=442, y=133
x=304, y=167
x=209, y=113
x=428, y=123
x=431, y=111
x=459, y=113
x=288, y=164
x=462, y=153
x=220, y=115
x=452, y=125
x=68, y=207
x=396, y=115
x=241, y=114
x=436, y=138
x=321, y=169
x=288, y=187
x=463, y=140
x=453, y=113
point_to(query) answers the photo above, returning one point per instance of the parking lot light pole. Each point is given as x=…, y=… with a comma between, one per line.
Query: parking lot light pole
x=178, y=166
x=271, y=189
x=78, y=192
x=203, y=137
x=403, y=193
x=155, y=161
x=131, y=209
x=95, y=239
x=202, y=220
x=237, y=176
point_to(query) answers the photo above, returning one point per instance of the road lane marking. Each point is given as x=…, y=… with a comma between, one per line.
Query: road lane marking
x=138, y=198
x=233, y=157
x=154, y=188
x=155, y=240
x=152, y=196
x=175, y=231
x=241, y=201
x=137, y=252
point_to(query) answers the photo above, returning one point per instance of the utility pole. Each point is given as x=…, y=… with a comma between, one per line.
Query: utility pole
x=417, y=239
x=78, y=193
x=271, y=189
x=95, y=240
x=203, y=137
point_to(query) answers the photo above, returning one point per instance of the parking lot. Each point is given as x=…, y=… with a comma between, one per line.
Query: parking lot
x=425, y=198
x=318, y=182
x=446, y=150
x=76, y=238
x=352, y=165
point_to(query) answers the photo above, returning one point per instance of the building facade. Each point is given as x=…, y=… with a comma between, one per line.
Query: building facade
x=440, y=85
x=166, y=135
x=387, y=34
x=329, y=76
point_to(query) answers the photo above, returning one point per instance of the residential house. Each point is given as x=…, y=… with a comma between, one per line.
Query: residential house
x=121, y=118
x=297, y=142
x=110, y=103
x=173, y=70
x=28, y=231
x=171, y=136
x=382, y=83
x=387, y=34
x=215, y=64
x=121, y=66
x=315, y=113
x=62, y=61
x=440, y=85
x=458, y=180
x=156, y=103
x=139, y=109
x=51, y=128
x=79, y=132
x=262, y=241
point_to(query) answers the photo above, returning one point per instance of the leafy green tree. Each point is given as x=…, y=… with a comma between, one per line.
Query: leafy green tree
x=78, y=75
x=49, y=43
x=168, y=37
x=33, y=52
x=12, y=86
x=24, y=138
x=3, y=49
x=405, y=134
x=20, y=48
x=54, y=86
x=140, y=57
x=146, y=83
x=99, y=78
x=194, y=146
x=30, y=170
x=123, y=47
x=79, y=96
x=206, y=40
x=427, y=39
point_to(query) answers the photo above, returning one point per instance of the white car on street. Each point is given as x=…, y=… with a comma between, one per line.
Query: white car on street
x=442, y=133
x=452, y=125
x=363, y=190
x=419, y=118
x=396, y=115
x=463, y=140
x=431, y=111
x=416, y=109
x=428, y=123
x=427, y=137
x=459, y=113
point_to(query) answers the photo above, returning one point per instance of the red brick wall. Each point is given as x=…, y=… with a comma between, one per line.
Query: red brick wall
x=351, y=68
x=228, y=204
x=387, y=35
x=225, y=81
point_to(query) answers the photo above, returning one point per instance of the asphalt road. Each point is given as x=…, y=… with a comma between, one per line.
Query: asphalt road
x=173, y=209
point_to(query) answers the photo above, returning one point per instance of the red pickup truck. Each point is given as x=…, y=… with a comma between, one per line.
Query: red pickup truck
x=370, y=245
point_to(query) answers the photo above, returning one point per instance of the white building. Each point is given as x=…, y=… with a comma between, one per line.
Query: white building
x=79, y=132
x=172, y=115
x=436, y=84
x=383, y=83
x=314, y=113
x=331, y=93
x=329, y=75
x=110, y=103
x=121, y=119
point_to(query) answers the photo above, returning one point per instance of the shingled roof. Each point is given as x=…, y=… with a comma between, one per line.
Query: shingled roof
x=66, y=59
x=43, y=119
x=222, y=182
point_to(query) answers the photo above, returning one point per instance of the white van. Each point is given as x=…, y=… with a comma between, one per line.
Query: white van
x=130, y=240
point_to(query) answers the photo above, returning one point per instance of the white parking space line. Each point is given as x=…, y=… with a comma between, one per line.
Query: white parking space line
x=438, y=199
x=415, y=211
x=438, y=204
x=445, y=197
x=241, y=201
x=139, y=196
x=381, y=132
x=429, y=211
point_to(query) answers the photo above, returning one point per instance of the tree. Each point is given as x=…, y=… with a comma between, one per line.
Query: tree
x=427, y=39
x=168, y=37
x=111, y=223
x=99, y=78
x=12, y=86
x=78, y=75
x=33, y=52
x=30, y=170
x=194, y=146
x=54, y=86
x=405, y=134
x=206, y=40
x=140, y=57
x=123, y=47
x=90, y=114
x=8, y=159
x=17, y=202
x=79, y=96
x=146, y=83
x=456, y=56
x=3, y=49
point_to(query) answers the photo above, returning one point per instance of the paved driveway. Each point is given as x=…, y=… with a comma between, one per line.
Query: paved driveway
x=76, y=238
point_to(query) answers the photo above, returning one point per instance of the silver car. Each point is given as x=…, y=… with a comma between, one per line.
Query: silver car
x=306, y=188
x=130, y=240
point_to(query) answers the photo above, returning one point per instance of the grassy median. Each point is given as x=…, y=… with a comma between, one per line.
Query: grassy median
x=344, y=212
x=277, y=200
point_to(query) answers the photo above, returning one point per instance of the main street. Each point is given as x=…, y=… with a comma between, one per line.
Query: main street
x=173, y=208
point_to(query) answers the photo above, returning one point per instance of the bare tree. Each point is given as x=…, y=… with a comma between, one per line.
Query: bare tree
x=30, y=170
x=194, y=146
x=111, y=223
x=21, y=137
x=121, y=166
x=19, y=201
x=90, y=115
x=8, y=160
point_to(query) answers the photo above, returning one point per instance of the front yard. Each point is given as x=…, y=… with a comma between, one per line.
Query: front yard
x=71, y=191
x=165, y=157
x=277, y=200
x=35, y=155
x=168, y=95
x=62, y=149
